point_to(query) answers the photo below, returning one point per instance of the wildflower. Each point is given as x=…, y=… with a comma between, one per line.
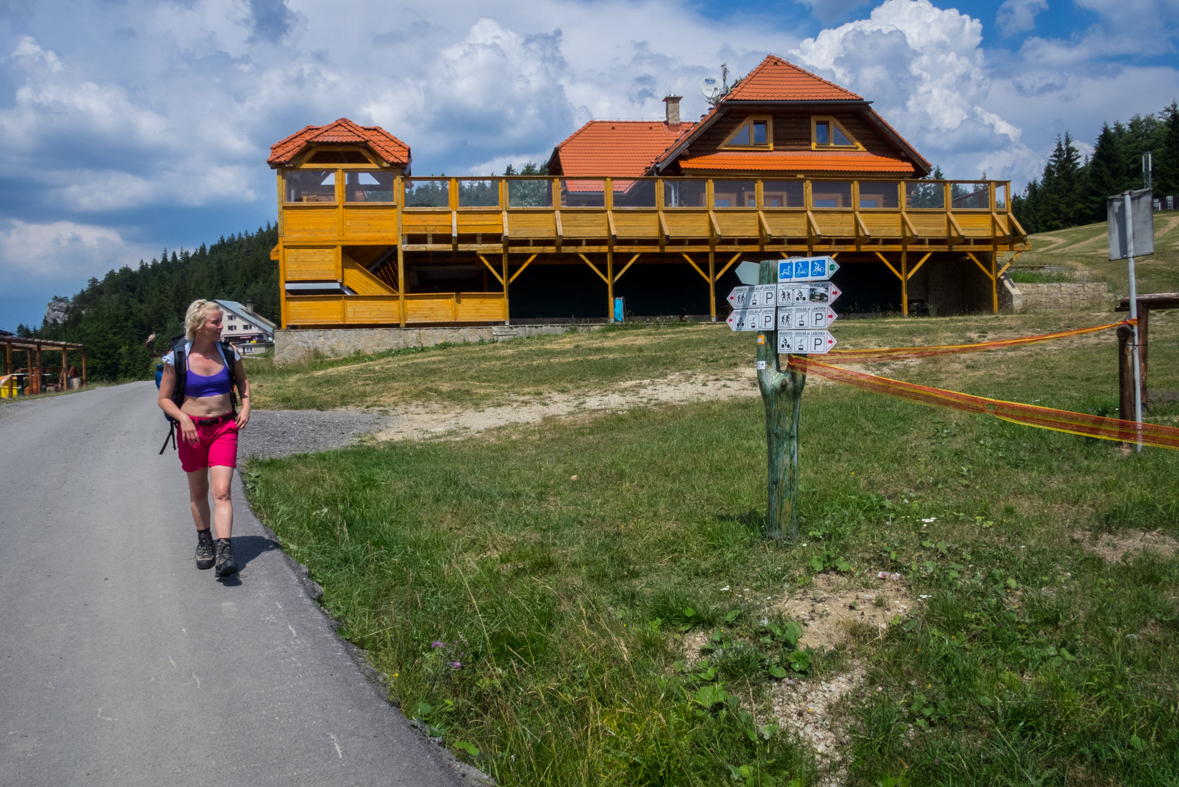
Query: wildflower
x=726, y=587
x=456, y=665
x=438, y=644
x=931, y=520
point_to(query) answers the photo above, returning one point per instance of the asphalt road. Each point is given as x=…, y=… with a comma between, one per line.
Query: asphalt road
x=122, y=664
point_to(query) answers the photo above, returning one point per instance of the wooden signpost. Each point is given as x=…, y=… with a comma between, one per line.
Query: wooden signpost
x=775, y=310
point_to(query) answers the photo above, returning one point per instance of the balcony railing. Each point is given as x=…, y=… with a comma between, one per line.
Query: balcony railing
x=480, y=213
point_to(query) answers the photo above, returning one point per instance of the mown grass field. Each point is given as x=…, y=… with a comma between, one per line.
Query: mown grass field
x=529, y=592
x=1085, y=251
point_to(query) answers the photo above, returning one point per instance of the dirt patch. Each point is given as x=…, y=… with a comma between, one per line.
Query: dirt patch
x=830, y=608
x=1115, y=548
x=810, y=709
x=419, y=421
x=692, y=642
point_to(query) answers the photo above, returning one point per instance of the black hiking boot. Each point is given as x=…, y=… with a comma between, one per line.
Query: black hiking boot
x=204, y=550
x=226, y=565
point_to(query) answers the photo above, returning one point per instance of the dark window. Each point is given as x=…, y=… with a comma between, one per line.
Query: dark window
x=339, y=157
x=759, y=133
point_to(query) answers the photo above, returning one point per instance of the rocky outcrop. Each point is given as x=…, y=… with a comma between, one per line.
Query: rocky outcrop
x=55, y=310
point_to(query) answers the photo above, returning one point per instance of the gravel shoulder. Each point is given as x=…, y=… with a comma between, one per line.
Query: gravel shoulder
x=277, y=433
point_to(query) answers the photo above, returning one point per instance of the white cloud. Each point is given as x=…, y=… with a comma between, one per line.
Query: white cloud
x=62, y=251
x=926, y=70
x=1019, y=16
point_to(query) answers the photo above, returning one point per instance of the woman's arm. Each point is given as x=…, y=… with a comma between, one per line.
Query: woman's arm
x=243, y=389
x=188, y=431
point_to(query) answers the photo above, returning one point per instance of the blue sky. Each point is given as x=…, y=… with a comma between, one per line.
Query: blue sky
x=128, y=126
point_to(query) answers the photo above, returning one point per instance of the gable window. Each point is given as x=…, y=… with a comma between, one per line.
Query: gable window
x=753, y=132
x=826, y=133
x=310, y=185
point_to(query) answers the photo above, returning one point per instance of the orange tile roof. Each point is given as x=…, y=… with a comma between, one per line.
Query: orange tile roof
x=777, y=80
x=799, y=161
x=384, y=144
x=617, y=148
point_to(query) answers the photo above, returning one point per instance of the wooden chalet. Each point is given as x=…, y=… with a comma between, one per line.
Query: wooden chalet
x=787, y=164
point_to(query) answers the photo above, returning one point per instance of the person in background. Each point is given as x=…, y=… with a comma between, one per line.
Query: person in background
x=208, y=425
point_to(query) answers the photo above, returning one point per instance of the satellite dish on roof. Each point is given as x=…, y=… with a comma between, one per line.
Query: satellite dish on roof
x=710, y=87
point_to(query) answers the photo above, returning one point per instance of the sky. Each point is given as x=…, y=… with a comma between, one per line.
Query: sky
x=130, y=126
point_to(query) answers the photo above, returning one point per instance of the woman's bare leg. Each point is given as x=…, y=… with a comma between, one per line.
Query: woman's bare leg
x=198, y=497
x=222, y=477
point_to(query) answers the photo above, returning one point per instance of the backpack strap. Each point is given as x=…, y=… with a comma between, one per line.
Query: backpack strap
x=180, y=367
x=171, y=436
x=227, y=355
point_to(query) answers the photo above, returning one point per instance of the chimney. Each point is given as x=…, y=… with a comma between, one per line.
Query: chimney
x=673, y=110
x=250, y=306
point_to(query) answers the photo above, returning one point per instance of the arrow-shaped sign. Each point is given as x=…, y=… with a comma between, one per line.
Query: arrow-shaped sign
x=806, y=269
x=757, y=296
x=752, y=319
x=805, y=318
x=815, y=293
x=805, y=342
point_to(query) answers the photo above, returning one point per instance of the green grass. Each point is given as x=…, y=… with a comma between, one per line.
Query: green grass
x=1023, y=276
x=565, y=601
x=480, y=375
x=1085, y=251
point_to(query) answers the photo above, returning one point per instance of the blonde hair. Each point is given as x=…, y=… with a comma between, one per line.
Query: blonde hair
x=198, y=312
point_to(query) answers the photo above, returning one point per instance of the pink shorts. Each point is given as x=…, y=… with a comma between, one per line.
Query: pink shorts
x=217, y=447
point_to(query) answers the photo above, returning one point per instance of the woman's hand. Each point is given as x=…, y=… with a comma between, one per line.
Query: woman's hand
x=243, y=417
x=188, y=430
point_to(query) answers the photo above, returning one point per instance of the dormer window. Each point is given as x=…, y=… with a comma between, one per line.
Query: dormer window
x=755, y=132
x=826, y=133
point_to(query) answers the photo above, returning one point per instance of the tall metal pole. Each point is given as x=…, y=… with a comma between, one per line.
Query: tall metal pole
x=1134, y=317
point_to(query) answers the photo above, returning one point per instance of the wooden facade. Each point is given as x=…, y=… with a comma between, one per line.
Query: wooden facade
x=363, y=243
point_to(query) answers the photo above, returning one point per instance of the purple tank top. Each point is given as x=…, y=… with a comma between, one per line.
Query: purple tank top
x=198, y=385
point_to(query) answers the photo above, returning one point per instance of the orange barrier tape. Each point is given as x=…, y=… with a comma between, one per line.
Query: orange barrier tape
x=903, y=353
x=1026, y=414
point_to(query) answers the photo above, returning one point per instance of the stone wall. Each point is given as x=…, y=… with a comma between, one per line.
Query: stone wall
x=951, y=286
x=295, y=346
x=1059, y=295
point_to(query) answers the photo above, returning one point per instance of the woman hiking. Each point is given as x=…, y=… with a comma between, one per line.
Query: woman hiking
x=208, y=424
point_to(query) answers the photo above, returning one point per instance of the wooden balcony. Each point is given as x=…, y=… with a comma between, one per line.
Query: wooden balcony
x=507, y=223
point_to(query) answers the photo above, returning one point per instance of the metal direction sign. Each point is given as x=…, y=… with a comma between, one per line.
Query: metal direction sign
x=805, y=342
x=806, y=269
x=805, y=318
x=798, y=307
x=753, y=319
x=815, y=293
x=759, y=296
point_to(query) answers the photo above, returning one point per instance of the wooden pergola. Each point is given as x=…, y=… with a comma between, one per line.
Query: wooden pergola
x=34, y=368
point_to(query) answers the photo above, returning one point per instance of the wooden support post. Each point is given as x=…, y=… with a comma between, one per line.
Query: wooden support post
x=1126, y=375
x=610, y=284
x=83, y=366
x=65, y=369
x=712, y=281
x=1143, y=332
x=282, y=285
x=37, y=379
x=782, y=394
x=905, y=282
x=507, y=281
x=994, y=284
x=402, y=281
